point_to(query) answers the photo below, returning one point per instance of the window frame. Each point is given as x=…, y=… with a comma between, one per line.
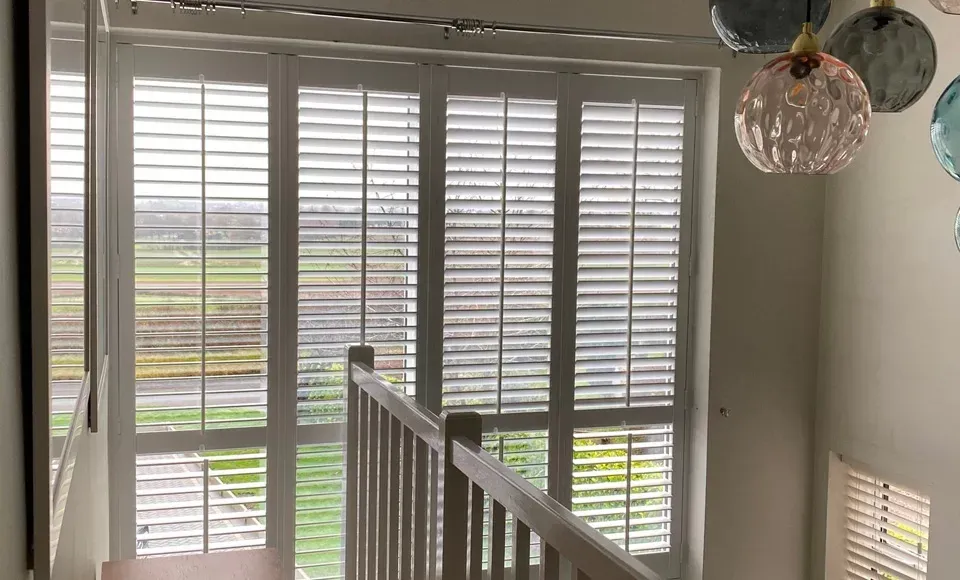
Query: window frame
x=384, y=70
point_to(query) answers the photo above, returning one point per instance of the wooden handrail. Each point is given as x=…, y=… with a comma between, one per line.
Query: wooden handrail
x=423, y=422
x=391, y=439
x=587, y=549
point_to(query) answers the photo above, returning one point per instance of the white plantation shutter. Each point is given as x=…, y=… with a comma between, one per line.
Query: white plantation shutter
x=623, y=484
x=359, y=179
x=888, y=530
x=200, y=502
x=66, y=246
x=198, y=338
x=629, y=253
x=500, y=166
x=359, y=251
x=631, y=139
x=200, y=191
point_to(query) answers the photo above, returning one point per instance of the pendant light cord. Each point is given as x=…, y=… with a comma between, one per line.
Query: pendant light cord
x=809, y=11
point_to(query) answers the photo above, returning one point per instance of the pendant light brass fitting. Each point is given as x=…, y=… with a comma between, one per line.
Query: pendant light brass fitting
x=882, y=3
x=807, y=41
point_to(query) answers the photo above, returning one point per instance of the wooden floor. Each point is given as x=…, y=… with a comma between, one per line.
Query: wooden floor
x=237, y=565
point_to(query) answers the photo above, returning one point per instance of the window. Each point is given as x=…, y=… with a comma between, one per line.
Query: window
x=510, y=242
x=888, y=530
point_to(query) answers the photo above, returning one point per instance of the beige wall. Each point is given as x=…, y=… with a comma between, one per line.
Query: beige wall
x=750, y=487
x=12, y=503
x=889, y=364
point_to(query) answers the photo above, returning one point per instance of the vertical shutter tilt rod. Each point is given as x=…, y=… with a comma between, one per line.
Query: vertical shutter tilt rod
x=503, y=251
x=363, y=219
x=203, y=255
x=467, y=25
x=630, y=255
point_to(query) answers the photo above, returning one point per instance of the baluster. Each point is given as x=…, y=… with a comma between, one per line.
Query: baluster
x=383, y=499
x=476, y=533
x=498, y=532
x=521, y=550
x=453, y=496
x=422, y=504
x=393, y=556
x=354, y=354
x=363, y=478
x=549, y=562
x=373, y=486
x=406, y=505
x=434, y=521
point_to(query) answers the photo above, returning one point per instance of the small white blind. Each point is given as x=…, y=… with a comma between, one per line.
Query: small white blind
x=888, y=530
x=200, y=193
x=66, y=246
x=623, y=485
x=629, y=252
x=500, y=166
x=320, y=512
x=200, y=502
x=359, y=242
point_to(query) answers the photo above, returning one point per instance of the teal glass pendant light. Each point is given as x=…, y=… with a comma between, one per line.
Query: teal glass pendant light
x=764, y=26
x=945, y=129
x=892, y=51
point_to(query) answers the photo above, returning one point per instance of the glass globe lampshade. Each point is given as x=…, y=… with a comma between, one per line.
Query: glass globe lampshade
x=945, y=129
x=947, y=6
x=763, y=26
x=892, y=51
x=803, y=112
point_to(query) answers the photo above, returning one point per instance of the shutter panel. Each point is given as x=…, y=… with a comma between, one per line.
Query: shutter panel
x=200, y=259
x=66, y=246
x=500, y=166
x=199, y=502
x=359, y=179
x=200, y=193
x=629, y=248
x=888, y=530
x=359, y=175
x=623, y=485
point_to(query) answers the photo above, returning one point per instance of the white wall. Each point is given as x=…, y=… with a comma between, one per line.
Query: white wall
x=12, y=508
x=756, y=338
x=85, y=532
x=889, y=363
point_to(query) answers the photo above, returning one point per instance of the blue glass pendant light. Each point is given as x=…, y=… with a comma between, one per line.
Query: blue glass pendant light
x=945, y=129
x=763, y=26
x=892, y=51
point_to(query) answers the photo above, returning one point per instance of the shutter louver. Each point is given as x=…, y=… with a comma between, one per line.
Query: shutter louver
x=200, y=192
x=629, y=248
x=200, y=502
x=359, y=178
x=888, y=530
x=623, y=485
x=498, y=270
x=66, y=246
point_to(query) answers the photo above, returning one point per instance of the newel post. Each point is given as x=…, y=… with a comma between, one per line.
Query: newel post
x=453, y=496
x=354, y=354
